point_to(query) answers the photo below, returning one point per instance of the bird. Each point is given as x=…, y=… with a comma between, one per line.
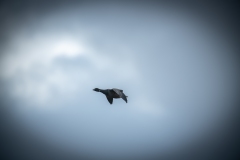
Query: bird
x=112, y=93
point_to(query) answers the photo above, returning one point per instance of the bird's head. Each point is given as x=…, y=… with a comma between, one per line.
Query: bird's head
x=96, y=89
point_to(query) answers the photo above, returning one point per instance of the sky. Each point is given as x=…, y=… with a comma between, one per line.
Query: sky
x=178, y=70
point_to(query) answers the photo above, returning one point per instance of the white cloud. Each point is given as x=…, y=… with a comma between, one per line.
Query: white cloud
x=31, y=70
x=69, y=48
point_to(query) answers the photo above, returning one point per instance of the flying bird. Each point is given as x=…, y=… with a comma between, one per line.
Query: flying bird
x=112, y=93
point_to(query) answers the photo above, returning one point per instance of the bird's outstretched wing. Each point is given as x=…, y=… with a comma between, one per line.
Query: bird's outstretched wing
x=110, y=100
x=120, y=93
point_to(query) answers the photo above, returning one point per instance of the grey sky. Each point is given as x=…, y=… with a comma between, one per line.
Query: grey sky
x=172, y=65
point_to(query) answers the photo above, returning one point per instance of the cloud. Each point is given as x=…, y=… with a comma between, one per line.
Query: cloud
x=172, y=74
x=39, y=69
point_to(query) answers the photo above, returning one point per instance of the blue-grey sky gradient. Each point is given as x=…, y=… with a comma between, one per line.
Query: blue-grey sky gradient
x=175, y=68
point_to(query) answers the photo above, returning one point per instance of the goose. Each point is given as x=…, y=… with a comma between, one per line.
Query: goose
x=112, y=93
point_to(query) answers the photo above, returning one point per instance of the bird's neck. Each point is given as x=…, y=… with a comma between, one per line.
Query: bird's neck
x=103, y=91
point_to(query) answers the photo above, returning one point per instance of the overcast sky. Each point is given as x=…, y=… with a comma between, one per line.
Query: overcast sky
x=178, y=72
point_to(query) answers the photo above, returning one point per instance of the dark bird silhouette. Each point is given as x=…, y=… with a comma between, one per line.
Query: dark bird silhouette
x=112, y=93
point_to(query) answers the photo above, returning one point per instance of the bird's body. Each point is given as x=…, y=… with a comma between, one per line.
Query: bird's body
x=112, y=93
